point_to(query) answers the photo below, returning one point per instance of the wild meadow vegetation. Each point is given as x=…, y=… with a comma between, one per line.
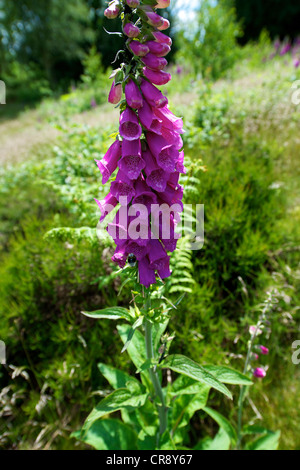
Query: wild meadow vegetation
x=242, y=150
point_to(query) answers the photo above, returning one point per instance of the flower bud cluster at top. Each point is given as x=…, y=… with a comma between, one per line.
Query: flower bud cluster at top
x=147, y=153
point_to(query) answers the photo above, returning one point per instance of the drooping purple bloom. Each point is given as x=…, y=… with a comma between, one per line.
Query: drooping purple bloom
x=146, y=273
x=130, y=128
x=147, y=183
x=149, y=120
x=122, y=188
x=107, y=205
x=169, y=120
x=144, y=195
x=162, y=38
x=153, y=62
x=109, y=163
x=132, y=162
x=157, y=48
x=138, y=48
x=131, y=30
x=152, y=95
x=158, y=77
x=133, y=95
x=115, y=94
x=156, y=177
x=166, y=154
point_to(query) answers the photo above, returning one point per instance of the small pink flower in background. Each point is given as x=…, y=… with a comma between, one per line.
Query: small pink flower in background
x=259, y=373
x=93, y=103
x=253, y=330
x=296, y=63
x=264, y=350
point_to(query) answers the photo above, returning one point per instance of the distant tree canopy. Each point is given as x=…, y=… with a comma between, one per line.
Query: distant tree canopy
x=49, y=34
x=49, y=39
x=279, y=17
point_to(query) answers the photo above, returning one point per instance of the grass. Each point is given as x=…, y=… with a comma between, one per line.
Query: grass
x=244, y=130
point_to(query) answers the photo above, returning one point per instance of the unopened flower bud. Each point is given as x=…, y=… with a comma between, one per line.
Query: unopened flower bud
x=139, y=49
x=162, y=38
x=165, y=25
x=112, y=11
x=157, y=77
x=133, y=95
x=259, y=373
x=264, y=350
x=115, y=94
x=133, y=3
x=131, y=30
x=154, y=19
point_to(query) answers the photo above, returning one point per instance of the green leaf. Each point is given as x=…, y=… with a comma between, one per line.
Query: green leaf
x=254, y=429
x=223, y=423
x=117, y=378
x=131, y=332
x=116, y=401
x=109, y=434
x=166, y=442
x=111, y=313
x=186, y=386
x=227, y=375
x=220, y=442
x=136, y=348
x=268, y=442
x=158, y=331
x=186, y=366
x=185, y=406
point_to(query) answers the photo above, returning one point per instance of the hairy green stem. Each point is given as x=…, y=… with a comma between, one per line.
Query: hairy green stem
x=244, y=388
x=162, y=408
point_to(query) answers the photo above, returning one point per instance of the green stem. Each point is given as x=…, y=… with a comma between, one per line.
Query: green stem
x=162, y=408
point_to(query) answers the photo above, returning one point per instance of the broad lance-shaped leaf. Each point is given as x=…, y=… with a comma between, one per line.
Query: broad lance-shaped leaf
x=184, y=385
x=223, y=423
x=111, y=313
x=220, y=442
x=185, y=406
x=131, y=333
x=268, y=442
x=185, y=366
x=136, y=348
x=119, y=379
x=226, y=375
x=116, y=401
x=109, y=434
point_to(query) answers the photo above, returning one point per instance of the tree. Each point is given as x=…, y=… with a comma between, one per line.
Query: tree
x=50, y=34
x=278, y=17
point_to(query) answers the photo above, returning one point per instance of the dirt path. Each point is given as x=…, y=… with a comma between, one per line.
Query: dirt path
x=22, y=136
